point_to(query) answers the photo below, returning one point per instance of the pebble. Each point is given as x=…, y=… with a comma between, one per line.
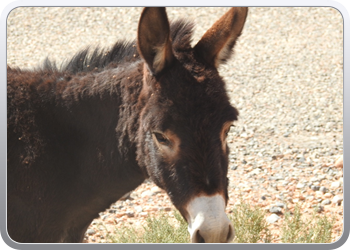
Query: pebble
x=335, y=184
x=130, y=213
x=337, y=199
x=280, y=204
x=90, y=231
x=324, y=189
x=300, y=185
x=156, y=190
x=319, y=208
x=234, y=167
x=138, y=209
x=326, y=202
x=275, y=210
x=328, y=195
x=143, y=214
x=273, y=218
x=309, y=198
x=146, y=193
x=339, y=162
x=104, y=217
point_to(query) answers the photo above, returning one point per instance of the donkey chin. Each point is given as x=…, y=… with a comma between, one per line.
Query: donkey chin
x=207, y=220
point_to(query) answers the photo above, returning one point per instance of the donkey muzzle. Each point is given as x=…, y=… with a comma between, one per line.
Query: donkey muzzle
x=208, y=222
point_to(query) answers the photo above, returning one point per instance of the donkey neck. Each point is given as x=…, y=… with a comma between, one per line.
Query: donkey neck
x=110, y=99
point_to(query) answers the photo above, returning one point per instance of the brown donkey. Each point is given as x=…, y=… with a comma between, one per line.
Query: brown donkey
x=82, y=135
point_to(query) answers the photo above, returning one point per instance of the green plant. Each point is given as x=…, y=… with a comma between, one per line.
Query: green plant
x=317, y=229
x=157, y=230
x=250, y=224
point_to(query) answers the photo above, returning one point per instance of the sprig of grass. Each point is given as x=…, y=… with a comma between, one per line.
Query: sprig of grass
x=157, y=230
x=317, y=229
x=250, y=224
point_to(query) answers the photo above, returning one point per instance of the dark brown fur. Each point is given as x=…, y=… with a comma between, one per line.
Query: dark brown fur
x=80, y=135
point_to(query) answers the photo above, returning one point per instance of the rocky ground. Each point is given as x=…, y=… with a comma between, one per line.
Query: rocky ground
x=286, y=79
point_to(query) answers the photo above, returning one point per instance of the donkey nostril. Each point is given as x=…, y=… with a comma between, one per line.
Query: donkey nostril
x=199, y=238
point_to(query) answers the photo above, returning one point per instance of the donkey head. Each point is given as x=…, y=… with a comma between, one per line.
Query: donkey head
x=185, y=117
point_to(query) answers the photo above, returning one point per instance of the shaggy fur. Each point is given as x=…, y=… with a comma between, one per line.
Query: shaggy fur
x=80, y=135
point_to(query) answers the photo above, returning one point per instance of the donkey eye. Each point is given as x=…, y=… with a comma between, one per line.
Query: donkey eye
x=228, y=130
x=161, y=138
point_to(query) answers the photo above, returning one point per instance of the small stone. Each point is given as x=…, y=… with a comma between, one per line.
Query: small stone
x=310, y=198
x=280, y=204
x=130, y=214
x=244, y=135
x=319, y=193
x=335, y=184
x=301, y=197
x=326, y=202
x=321, y=177
x=319, y=208
x=314, y=179
x=295, y=200
x=300, y=185
x=146, y=193
x=272, y=218
x=275, y=210
x=125, y=196
x=323, y=189
x=143, y=214
x=328, y=195
x=256, y=171
x=337, y=199
x=315, y=188
x=263, y=198
x=339, y=162
x=301, y=158
x=104, y=217
x=90, y=231
x=156, y=190
x=138, y=209
x=233, y=167
x=120, y=214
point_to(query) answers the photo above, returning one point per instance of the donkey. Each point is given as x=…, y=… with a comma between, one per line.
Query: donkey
x=82, y=135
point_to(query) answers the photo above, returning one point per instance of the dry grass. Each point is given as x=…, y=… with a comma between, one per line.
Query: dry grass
x=249, y=222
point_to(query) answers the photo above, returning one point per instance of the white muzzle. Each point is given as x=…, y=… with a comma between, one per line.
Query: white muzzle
x=208, y=222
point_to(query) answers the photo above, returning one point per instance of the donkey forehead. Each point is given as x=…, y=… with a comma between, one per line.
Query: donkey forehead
x=195, y=112
x=194, y=65
x=191, y=92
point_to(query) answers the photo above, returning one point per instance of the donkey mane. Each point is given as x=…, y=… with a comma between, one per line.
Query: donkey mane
x=97, y=59
x=50, y=83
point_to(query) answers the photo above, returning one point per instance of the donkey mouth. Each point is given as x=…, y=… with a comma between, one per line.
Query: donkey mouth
x=208, y=222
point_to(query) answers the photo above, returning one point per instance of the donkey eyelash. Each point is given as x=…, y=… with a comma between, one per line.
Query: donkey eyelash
x=161, y=138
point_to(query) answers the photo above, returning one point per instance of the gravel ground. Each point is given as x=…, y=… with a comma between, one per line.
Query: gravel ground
x=286, y=79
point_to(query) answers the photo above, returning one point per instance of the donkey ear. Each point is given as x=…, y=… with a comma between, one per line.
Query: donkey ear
x=215, y=47
x=153, y=39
